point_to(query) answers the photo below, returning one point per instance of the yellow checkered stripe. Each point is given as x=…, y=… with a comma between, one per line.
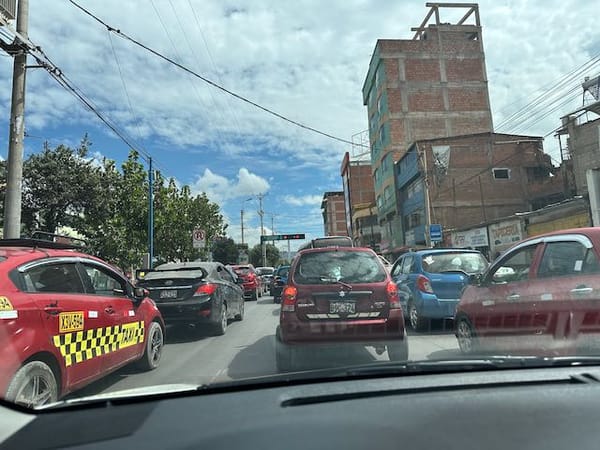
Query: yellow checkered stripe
x=87, y=344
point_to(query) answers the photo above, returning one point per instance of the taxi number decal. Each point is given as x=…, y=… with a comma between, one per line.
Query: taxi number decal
x=71, y=321
x=5, y=304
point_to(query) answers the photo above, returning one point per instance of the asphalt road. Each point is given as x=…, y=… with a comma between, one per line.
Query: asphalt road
x=248, y=350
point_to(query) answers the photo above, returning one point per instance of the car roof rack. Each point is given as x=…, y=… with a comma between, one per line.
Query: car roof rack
x=42, y=239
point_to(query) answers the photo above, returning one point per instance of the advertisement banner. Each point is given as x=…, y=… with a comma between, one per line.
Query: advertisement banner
x=474, y=238
x=504, y=234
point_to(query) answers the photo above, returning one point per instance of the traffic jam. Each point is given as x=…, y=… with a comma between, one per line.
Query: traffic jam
x=68, y=318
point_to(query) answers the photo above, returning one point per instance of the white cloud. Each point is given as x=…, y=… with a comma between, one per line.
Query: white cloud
x=303, y=200
x=220, y=189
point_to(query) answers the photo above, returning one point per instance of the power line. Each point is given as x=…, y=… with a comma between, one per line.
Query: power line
x=212, y=83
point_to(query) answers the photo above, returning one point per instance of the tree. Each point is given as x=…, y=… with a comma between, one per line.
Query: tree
x=225, y=251
x=272, y=255
x=58, y=185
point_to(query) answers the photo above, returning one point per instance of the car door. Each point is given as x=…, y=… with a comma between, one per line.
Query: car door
x=504, y=317
x=73, y=319
x=233, y=293
x=404, y=278
x=569, y=308
x=121, y=313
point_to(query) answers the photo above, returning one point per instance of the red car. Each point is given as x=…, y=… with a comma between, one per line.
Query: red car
x=541, y=298
x=67, y=319
x=339, y=297
x=251, y=280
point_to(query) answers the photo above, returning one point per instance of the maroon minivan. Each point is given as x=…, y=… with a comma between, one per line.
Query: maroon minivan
x=338, y=297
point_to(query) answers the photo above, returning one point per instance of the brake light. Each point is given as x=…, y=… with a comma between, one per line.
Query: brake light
x=424, y=285
x=392, y=294
x=288, y=299
x=205, y=289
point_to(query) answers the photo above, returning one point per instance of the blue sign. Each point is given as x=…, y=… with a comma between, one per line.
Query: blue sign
x=435, y=232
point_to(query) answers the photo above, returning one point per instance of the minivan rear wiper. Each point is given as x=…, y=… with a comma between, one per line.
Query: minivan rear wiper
x=335, y=280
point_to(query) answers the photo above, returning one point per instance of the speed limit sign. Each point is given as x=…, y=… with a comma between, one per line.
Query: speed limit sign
x=198, y=238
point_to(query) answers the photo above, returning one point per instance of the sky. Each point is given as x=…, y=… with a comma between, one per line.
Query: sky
x=305, y=60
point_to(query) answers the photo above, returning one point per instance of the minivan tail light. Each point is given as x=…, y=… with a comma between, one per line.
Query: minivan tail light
x=205, y=289
x=392, y=294
x=288, y=299
x=424, y=285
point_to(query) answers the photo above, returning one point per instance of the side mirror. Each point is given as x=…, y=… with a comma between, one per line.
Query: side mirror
x=140, y=293
x=476, y=279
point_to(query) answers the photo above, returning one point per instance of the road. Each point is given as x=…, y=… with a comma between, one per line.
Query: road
x=248, y=350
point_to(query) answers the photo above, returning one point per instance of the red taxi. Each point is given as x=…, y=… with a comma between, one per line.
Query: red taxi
x=251, y=280
x=67, y=319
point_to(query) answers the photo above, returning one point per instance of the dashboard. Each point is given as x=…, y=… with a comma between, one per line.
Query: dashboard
x=551, y=408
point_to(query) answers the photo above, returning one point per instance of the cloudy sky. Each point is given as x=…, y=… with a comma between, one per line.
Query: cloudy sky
x=305, y=60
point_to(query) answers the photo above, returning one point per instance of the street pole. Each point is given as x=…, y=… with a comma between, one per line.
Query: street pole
x=14, y=177
x=242, y=222
x=150, y=213
x=262, y=231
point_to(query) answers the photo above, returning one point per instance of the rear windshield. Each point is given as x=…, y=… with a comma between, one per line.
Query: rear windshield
x=283, y=272
x=332, y=242
x=334, y=266
x=265, y=270
x=455, y=261
x=242, y=270
x=186, y=273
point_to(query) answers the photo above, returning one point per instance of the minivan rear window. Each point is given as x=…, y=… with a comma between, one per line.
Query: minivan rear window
x=332, y=266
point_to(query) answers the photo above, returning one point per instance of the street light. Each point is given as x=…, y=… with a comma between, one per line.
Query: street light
x=242, y=217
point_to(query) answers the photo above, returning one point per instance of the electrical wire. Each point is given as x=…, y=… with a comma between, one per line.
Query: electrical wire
x=206, y=80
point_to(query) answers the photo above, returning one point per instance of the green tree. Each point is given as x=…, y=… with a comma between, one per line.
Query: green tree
x=272, y=255
x=58, y=186
x=225, y=251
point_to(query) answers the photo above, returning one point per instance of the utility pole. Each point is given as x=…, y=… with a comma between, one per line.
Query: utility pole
x=261, y=213
x=242, y=222
x=14, y=178
x=150, y=213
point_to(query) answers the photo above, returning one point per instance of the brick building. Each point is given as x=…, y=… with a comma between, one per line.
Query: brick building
x=471, y=180
x=359, y=198
x=434, y=85
x=334, y=214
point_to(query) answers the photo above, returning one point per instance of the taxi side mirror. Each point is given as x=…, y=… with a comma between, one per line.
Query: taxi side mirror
x=140, y=293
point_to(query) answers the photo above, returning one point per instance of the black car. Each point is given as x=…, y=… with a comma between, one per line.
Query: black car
x=278, y=282
x=198, y=293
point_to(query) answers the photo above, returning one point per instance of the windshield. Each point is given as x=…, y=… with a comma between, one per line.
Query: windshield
x=449, y=262
x=259, y=139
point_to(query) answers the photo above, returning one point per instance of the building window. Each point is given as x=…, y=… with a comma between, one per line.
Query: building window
x=414, y=188
x=414, y=219
x=387, y=194
x=501, y=174
x=379, y=202
x=376, y=176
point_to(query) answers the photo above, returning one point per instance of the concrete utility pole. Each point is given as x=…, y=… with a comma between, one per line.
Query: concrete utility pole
x=261, y=213
x=242, y=223
x=14, y=178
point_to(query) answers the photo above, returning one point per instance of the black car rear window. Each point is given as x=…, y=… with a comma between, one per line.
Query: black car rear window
x=187, y=273
x=333, y=266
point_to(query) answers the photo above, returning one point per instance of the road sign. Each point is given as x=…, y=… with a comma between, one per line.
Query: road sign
x=435, y=232
x=199, y=238
x=282, y=237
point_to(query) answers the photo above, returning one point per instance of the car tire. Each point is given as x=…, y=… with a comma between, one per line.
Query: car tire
x=276, y=299
x=221, y=325
x=255, y=296
x=259, y=292
x=155, y=342
x=23, y=380
x=466, y=336
x=240, y=316
x=398, y=351
x=283, y=355
x=416, y=321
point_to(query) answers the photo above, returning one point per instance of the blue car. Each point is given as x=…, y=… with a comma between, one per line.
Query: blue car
x=432, y=281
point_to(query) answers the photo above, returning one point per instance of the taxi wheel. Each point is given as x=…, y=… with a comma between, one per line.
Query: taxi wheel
x=154, y=346
x=33, y=385
x=465, y=334
x=398, y=351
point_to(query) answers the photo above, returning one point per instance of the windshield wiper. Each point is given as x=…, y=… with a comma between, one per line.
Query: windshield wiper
x=335, y=280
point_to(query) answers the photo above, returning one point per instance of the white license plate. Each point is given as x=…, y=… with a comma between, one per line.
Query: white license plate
x=171, y=293
x=342, y=307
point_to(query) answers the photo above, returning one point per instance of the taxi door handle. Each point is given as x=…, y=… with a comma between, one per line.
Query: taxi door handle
x=53, y=310
x=109, y=310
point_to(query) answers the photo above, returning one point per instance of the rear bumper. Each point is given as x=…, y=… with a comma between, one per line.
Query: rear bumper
x=295, y=331
x=196, y=310
x=432, y=307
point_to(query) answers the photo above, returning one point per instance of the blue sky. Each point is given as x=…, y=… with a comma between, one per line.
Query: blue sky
x=306, y=60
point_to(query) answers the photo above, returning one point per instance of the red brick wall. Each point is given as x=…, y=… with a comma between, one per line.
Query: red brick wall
x=467, y=99
x=426, y=100
x=422, y=69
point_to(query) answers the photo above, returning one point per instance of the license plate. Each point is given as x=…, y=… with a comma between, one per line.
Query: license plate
x=342, y=307
x=171, y=293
